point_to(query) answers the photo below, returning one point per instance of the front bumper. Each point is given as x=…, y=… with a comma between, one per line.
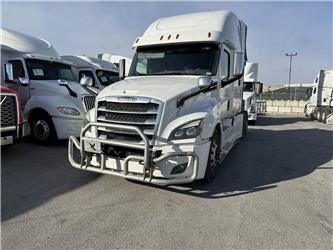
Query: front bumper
x=9, y=134
x=136, y=167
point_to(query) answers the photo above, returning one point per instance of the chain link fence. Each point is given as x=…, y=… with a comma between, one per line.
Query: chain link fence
x=285, y=94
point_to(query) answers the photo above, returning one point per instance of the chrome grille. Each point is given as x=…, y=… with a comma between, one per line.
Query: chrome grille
x=8, y=111
x=88, y=102
x=143, y=113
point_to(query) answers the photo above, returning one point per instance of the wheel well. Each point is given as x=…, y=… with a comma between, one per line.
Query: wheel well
x=37, y=112
x=219, y=130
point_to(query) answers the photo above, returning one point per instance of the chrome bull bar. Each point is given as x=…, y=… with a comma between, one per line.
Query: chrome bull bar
x=147, y=160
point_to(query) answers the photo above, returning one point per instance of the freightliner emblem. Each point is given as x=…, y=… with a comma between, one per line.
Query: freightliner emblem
x=127, y=98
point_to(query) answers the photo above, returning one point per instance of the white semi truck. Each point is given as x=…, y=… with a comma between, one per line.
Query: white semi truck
x=251, y=89
x=179, y=112
x=115, y=60
x=50, y=97
x=101, y=72
x=320, y=104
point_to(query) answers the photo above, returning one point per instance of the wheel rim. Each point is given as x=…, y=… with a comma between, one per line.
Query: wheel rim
x=41, y=130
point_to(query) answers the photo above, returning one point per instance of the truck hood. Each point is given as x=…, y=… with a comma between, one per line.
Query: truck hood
x=52, y=86
x=160, y=87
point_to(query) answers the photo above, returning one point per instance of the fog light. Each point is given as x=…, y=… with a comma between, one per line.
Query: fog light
x=179, y=168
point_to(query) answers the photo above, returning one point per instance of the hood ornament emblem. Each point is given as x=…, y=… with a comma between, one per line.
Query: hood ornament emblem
x=124, y=92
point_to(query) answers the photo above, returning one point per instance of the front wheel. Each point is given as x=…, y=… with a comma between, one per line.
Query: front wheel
x=213, y=157
x=42, y=130
x=245, y=125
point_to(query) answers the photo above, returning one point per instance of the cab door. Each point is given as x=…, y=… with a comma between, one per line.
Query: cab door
x=226, y=96
x=19, y=82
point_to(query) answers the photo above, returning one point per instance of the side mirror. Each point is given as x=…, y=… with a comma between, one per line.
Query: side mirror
x=122, y=69
x=204, y=82
x=86, y=81
x=239, y=64
x=259, y=87
x=24, y=81
x=9, y=73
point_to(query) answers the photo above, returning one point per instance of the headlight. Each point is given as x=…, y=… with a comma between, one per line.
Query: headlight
x=189, y=130
x=68, y=111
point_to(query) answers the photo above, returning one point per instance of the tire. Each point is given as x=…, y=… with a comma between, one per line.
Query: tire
x=311, y=116
x=42, y=130
x=315, y=113
x=213, y=157
x=245, y=125
x=319, y=115
x=252, y=122
x=325, y=114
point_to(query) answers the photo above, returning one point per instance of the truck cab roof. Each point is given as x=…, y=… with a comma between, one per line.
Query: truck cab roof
x=16, y=42
x=90, y=62
x=213, y=26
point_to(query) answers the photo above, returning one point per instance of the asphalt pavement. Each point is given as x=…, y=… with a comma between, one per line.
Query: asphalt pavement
x=274, y=190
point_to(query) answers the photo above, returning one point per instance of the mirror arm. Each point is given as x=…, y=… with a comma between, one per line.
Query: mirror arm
x=70, y=91
x=226, y=82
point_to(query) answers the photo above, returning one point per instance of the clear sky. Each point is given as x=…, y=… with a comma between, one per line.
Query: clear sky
x=274, y=28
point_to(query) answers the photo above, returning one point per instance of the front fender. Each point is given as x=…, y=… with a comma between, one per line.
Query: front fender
x=50, y=104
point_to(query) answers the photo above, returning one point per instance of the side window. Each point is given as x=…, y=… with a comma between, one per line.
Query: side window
x=141, y=67
x=225, y=64
x=87, y=73
x=18, y=70
x=316, y=81
x=314, y=90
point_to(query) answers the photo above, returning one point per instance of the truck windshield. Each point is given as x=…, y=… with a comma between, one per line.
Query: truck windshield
x=107, y=77
x=47, y=70
x=189, y=59
x=249, y=86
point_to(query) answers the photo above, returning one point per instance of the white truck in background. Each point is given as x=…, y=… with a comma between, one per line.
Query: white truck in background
x=251, y=89
x=102, y=73
x=50, y=97
x=320, y=103
x=115, y=60
x=179, y=112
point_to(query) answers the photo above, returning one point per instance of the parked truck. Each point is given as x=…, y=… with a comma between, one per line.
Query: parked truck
x=102, y=73
x=252, y=87
x=179, y=112
x=50, y=97
x=11, y=126
x=115, y=60
x=320, y=103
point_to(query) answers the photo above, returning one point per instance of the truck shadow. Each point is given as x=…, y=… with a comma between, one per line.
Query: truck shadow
x=274, y=121
x=262, y=160
x=32, y=175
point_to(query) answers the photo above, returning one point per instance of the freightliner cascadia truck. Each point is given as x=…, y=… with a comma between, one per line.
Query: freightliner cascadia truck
x=179, y=111
x=320, y=104
x=251, y=89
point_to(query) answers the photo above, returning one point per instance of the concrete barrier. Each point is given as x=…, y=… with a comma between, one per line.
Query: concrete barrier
x=285, y=107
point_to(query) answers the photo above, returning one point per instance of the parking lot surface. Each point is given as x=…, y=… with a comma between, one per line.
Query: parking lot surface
x=274, y=190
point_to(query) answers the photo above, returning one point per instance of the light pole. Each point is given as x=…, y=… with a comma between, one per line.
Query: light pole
x=291, y=59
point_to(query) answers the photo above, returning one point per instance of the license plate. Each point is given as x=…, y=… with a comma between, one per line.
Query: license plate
x=92, y=146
